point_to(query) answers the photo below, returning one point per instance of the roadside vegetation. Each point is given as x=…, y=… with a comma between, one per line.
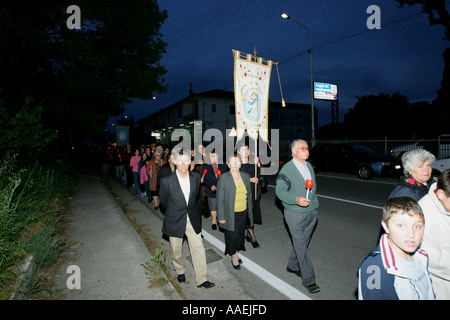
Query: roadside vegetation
x=32, y=202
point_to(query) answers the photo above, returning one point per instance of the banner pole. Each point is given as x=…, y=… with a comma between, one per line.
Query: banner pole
x=256, y=166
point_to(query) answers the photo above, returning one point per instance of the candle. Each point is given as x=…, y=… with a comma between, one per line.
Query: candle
x=308, y=186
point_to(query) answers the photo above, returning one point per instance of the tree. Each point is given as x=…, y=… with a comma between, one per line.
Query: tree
x=80, y=77
x=436, y=10
x=438, y=15
x=441, y=104
x=375, y=116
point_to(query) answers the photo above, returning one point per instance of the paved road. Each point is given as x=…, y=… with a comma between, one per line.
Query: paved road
x=349, y=218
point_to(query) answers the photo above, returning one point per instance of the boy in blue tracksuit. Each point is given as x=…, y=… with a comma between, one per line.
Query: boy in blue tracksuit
x=396, y=270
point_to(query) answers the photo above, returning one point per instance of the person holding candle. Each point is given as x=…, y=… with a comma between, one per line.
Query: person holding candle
x=197, y=163
x=165, y=170
x=234, y=207
x=213, y=171
x=249, y=168
x=300, y=212
x=154, y=165
x=134, y=164
x=144, y=178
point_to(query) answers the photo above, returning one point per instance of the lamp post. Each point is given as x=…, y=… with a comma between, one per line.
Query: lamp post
x=284, y=15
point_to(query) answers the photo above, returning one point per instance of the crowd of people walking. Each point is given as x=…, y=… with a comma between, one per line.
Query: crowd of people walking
x=204, y=188
x=411, y=259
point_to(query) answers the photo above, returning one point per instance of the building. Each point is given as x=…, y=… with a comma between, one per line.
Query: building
x=216, y=109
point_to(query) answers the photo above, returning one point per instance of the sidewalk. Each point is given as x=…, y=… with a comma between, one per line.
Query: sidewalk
x=110, y=254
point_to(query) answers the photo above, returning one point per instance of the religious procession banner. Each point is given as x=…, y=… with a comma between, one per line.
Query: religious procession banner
x=122, y=135
x=251, y=95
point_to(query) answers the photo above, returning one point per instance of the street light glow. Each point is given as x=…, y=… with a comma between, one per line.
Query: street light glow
x=284, y=15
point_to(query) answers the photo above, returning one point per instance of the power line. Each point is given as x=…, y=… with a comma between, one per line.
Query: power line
x=348, y=37
x=343, y=38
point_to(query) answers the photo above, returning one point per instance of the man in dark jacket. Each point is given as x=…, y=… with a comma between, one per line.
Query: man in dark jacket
x=179, y=194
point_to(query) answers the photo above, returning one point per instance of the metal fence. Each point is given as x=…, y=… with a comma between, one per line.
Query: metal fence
x=439, y=146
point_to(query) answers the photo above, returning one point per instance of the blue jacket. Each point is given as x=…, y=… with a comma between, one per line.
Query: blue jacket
x=381, y=279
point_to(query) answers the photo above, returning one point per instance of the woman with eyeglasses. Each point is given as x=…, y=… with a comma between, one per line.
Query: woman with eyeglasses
x=234, y=206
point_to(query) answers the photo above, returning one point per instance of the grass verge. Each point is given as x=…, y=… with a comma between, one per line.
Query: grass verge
x=32, y=203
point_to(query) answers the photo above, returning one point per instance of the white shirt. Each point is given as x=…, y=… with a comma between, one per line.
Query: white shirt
x=303, y=168
x=418, y=277
x=185, y=186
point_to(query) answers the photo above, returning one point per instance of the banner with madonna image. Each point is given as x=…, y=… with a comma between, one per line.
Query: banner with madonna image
x=251, y=95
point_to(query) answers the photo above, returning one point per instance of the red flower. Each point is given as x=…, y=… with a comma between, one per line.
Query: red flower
x=412, y=181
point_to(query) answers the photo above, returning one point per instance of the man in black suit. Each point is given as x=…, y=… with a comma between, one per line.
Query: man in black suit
x=179, y=194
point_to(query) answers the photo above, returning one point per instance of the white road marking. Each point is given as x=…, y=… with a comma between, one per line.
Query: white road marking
x=285, y=288
x=352, y=202
x=356, y=179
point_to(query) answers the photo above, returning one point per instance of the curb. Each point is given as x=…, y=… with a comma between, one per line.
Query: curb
x=138, y=238
x=27, y=272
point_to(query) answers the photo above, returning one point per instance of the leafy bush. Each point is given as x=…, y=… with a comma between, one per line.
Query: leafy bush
x=23, y=131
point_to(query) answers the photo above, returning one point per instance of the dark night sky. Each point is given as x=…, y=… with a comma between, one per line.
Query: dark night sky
x=404, y=56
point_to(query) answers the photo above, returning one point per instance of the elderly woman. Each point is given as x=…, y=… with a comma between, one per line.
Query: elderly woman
x=244, y=155
x=234, y=205
x=417, y=179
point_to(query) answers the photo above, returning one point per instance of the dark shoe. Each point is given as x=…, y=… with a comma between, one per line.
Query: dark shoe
x=206, y=285
x=156, y=208
x=181, y=278
x=248, y=238
x=214, y=226
x=294, y=272
x=238, y=267
x=255, y=244
x=314, y=288
x=240, y=261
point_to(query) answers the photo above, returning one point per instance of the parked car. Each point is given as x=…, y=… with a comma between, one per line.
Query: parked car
x=398, y=151
x=440, y=165
x=352, y=158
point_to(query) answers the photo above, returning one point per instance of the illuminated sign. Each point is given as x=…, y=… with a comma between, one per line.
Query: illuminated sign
x=325, y=91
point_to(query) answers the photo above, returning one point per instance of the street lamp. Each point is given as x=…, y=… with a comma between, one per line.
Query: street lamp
x=284, y=15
